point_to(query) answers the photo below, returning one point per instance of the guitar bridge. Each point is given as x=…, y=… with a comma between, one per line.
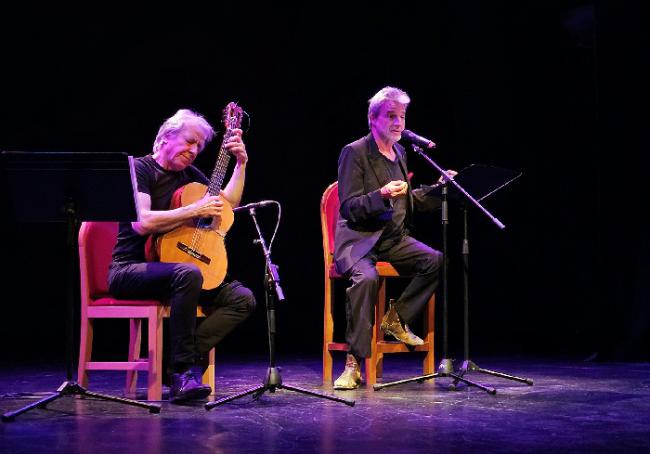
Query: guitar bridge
x=193, y=252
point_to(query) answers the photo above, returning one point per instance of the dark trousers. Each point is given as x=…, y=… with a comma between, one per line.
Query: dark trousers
x=410, y=257
x=179, y=285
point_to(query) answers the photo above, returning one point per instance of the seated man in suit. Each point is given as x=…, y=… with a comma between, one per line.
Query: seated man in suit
x=376, y=207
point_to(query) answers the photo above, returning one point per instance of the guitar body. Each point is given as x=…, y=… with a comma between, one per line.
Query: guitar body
x=197, y=241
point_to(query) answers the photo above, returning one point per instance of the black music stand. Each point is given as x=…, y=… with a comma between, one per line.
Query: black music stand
x=70, y=188
x=481, y=181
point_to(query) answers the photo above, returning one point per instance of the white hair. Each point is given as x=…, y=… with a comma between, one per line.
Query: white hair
x=180, y=120
x=384, y=95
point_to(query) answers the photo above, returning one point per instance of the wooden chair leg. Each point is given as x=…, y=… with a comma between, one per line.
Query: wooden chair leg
x=135, y=336
x=328, y=332
x=85, y=350
x=328, y=364
x=381, y=310
x=208, y=375
x=372, y=362
x=371, y=368
x=155, y=334
x=379, y=368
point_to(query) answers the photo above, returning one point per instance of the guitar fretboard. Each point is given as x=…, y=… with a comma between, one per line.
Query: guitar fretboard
x=219, y=172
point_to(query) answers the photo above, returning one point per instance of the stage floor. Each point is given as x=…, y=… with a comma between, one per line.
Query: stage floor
x=573, y=406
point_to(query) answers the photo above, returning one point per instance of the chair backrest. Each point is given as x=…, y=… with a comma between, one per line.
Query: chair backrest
x=96, y=241
x=329, y=215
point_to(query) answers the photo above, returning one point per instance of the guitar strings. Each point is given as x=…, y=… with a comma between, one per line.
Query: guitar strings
x=214, y=188
x=233, y=121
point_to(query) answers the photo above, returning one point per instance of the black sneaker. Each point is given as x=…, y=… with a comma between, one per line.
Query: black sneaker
x=185, y=386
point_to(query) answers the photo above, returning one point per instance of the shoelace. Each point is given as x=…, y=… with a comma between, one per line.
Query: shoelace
x=351, y=363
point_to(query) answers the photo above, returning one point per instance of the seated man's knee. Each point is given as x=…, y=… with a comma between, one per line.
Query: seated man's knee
x=188, y=275
x=244, y=300
x=364, y=276
x=433, y=261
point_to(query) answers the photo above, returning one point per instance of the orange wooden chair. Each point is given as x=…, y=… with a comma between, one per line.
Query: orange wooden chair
x=96, y=241
x=329, y=213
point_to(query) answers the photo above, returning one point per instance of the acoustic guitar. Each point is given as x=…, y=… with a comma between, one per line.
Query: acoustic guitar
x=201, y=241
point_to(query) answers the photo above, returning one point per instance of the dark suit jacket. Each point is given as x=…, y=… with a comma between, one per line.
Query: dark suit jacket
x=364, y=213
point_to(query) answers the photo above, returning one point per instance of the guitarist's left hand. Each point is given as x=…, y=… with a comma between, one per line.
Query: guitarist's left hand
x=235, y=187
x=236, y=146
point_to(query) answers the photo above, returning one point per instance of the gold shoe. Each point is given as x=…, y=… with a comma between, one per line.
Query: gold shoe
x=392, y=325
x=351, y=376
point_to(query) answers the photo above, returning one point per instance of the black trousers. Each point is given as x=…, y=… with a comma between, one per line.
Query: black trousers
x=179, y=284
x=410, y=257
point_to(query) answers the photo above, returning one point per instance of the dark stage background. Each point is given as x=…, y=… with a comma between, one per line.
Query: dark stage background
x=557, y=90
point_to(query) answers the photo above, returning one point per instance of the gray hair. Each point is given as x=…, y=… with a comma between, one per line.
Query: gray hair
x=384, y=95
x=180, y=120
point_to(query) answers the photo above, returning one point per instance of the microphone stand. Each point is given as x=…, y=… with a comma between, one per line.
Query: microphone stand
x=273, y=380
x=445, y=369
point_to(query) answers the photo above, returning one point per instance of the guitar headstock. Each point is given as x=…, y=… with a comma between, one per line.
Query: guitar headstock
x=232, y=116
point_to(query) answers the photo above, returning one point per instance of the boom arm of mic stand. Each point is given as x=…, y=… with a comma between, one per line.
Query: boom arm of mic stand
x=449, y=179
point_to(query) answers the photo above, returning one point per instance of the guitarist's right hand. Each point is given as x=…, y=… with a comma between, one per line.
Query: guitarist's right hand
x=208, y=206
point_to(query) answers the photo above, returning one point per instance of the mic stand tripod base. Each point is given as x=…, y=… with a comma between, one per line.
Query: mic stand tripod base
x=470, y=366
x=71, y=388
x=445, y=370
x=274, y=381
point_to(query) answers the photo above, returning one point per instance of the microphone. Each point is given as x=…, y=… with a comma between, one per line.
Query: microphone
x=420, y=141
x=250, y=206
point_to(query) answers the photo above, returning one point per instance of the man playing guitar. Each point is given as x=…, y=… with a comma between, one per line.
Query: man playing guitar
x=160, y=175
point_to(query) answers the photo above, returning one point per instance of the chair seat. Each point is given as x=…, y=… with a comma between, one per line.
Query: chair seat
x=384, y=269
x=110, y=301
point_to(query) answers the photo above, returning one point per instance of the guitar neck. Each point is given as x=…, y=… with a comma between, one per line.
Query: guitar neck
x=232, y=116
x=220, y=168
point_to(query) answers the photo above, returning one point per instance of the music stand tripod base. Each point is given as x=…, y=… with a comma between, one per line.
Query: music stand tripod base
x=444, y=371
x=70, y=388
x=470, y=366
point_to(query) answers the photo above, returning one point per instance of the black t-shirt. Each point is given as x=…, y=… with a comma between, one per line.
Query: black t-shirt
x=160, y=184
x=395, y=227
